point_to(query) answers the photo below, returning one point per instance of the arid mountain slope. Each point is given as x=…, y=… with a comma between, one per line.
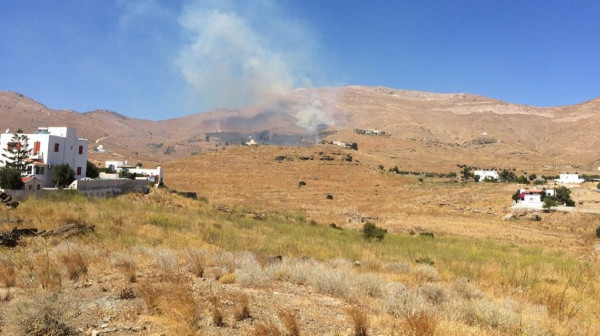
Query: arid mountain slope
x=429, y=130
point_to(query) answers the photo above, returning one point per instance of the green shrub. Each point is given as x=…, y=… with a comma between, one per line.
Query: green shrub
x=10, y=178
x=598, y=232
x=425, y=261
x=372, y=231
x=427, y=234
x=301, y=183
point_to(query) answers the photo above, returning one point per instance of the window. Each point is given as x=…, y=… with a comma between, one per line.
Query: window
x=38, y=187
x=80, y=149
x=36, y=147
x=78, y=170
x=30, y=187
x=29, y=169
x=56, y=147
x=39, y=170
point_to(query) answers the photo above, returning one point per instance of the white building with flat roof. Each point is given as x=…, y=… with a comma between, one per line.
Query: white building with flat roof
x=48, y=147
x=569, y=178
x=487, y=174
x=152, y=175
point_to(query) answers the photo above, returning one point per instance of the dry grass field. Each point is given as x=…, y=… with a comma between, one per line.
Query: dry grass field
x=161, y=264
x=273, y=246
x=264, y=179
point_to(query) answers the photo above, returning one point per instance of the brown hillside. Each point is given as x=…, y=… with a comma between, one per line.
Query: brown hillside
x=428, y=131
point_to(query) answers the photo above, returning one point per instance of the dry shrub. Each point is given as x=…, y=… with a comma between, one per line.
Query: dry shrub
x=196, y=262
x=359, y=321
x=397, y=267
x=466, y=290
x=400, y=301
x=216, y=312
x=267, y=328
x=250, y=273
x=371, y=284
x=421, y=323
x=126, y=265
x=151, y=293
x=174, y=304
x=224, y=260
x=489, y=314
x=372, y=265
x=46, y=271
x=127, y=293
x=434, y=293
x=182, y=311
x=166, y=263
x=290, y=321
x=426, y=273
x=75, y=262
x=43, y=314
x=227, y=279
x=8, y=272
x=242, y=307
x=333, y=282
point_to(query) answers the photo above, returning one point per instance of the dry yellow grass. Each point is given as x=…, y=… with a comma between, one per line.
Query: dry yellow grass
x=249, y=178
x=475, y=286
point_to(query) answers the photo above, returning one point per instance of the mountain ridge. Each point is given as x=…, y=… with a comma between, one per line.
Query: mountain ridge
x=442, y=124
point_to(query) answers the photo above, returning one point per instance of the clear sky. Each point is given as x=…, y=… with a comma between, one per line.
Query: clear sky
x=160, y=59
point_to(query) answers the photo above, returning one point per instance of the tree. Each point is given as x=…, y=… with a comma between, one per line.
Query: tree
x=370, y=231
x=476, y=178
x=522, y=179
x=549, y=201
x=516, y=196
x=532, y=177
x=63, y=175
x=563, y=194
x=91, y=170
x=466, y=173
x=10, y=178
x=507, y=176
x=16, y=154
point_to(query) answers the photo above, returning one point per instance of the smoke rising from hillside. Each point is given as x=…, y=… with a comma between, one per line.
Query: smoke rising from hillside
x=246, y=52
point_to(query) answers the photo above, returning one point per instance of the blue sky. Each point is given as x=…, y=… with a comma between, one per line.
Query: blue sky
x=156, y=59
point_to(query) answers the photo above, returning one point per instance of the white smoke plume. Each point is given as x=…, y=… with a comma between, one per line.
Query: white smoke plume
x=247, y=52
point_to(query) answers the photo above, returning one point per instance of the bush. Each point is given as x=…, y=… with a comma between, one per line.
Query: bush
x=359, y=320
x=371, y=231
x=598, y=186
x=47, y=314
x=598, y=232
x=63, y=175
x=10, y=178
x=91, y=170
x=301, y=183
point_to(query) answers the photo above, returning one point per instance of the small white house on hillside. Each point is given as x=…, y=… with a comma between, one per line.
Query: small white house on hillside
x=48, y=147
x=153, y=175
x=532, y=198
x=486, y=174
x=569, y=178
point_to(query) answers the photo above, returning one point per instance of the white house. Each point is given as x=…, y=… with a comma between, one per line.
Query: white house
x=487, y=174
x=532, y=198
x=48, y=147
x=569, y=178
x=152, y=175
